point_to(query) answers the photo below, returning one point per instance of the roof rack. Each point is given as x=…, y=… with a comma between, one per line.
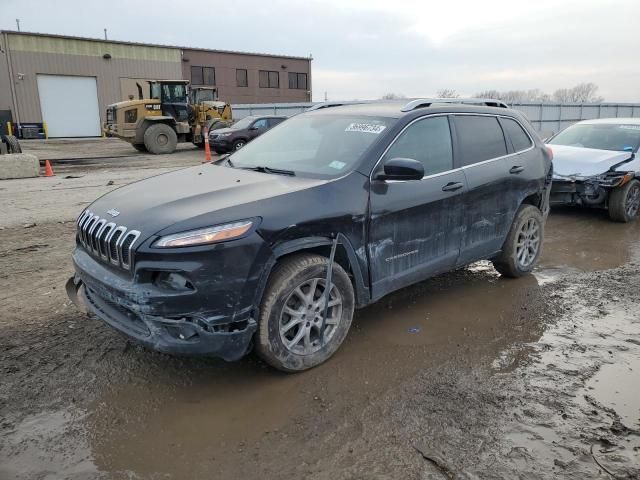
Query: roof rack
x=427, y=102
x=338, y=103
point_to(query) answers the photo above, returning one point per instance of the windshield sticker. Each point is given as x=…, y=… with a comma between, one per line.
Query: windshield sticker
x=629, y=127
x=337, y=165
x=365, y=128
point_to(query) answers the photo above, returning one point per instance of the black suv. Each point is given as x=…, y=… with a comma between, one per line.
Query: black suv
x=365, y=199
x=242, y=132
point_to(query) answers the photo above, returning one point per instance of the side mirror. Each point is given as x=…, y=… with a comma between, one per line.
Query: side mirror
x=253, y=127
x=401, y=169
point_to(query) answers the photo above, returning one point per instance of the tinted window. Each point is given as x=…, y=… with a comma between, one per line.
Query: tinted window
x=298, y=80
x=519, y=137
x=260, y=124
x=196, y=76
x=428, y=141
x=480, y=138
x=275, y=121
x=268, y=79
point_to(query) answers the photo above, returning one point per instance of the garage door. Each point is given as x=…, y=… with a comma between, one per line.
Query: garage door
x=69, y=105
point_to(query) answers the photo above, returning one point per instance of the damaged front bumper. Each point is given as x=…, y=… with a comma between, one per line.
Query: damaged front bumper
x=575, y=190
x=187, y=335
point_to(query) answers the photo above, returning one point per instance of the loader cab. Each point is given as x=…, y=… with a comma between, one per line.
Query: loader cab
x=198, y=95
x=173, y=98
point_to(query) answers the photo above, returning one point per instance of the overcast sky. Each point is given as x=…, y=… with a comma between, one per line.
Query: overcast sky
x=366, y=48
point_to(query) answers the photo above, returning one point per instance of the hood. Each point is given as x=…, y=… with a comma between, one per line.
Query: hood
x=218, y=131
x=584, y=162
x=213, y=193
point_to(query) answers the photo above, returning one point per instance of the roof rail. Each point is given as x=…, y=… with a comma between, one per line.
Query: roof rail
x=338, y=103
x=427, y=102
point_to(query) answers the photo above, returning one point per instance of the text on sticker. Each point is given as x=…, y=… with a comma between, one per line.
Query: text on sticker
x=365, y=128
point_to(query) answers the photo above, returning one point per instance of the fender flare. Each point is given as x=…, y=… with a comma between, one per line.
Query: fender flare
x=361, y=290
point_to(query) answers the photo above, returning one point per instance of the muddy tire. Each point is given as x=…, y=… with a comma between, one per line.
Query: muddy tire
x=523, y=245
x=140, y=147
x=624, y=202
x=13, y=146
x=291, y=312
x=160, y=138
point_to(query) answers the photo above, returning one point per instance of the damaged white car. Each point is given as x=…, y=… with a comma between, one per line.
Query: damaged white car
x=596, y=164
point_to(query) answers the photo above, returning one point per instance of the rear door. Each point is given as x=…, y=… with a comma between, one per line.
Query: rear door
x=481, y=151
x=415, y=226
x=525, y=166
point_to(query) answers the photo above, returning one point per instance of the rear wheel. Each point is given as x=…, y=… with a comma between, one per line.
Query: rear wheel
x=160, y=138
x=292, y=336
x=523, y=245
x=624, y=202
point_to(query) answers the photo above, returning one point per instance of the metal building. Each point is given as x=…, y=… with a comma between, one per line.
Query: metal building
x=61, y=85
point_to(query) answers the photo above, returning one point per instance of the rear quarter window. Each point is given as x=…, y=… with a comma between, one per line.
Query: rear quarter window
x=516, y=133
x=480, y=138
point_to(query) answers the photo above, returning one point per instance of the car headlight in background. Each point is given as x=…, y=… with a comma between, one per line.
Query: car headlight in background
x=222, y=134
x=203, y=236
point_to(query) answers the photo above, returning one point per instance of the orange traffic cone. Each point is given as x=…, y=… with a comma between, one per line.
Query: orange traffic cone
x=207, y=150
x=48, y=171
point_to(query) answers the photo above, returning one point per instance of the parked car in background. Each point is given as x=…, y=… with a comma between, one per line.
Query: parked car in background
x=275, y=245
x=596, y=164
x=236, y=136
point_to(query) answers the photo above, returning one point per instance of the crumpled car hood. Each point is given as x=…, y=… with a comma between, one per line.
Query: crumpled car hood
x=587, y=162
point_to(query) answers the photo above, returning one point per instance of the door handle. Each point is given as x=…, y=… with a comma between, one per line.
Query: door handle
x=452, y=186
x=516, y=169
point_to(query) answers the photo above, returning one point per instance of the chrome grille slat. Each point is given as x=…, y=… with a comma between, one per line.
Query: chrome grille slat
x=106, y=240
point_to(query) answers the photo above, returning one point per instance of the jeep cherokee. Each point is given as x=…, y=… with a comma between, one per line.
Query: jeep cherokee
x=275, y=246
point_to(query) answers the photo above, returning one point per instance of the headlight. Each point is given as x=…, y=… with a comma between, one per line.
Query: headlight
x=203, y=236
x=223, y=134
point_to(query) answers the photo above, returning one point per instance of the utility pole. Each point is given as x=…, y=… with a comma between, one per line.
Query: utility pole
x=18, y=23
x=105, y=34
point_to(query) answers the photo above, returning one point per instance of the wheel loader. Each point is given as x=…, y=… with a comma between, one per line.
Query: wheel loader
x=172, y=113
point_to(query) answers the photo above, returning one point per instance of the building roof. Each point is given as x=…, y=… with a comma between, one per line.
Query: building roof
x=101, y=40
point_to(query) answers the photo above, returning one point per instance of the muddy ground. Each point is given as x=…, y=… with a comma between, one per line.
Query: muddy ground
x=467, y=375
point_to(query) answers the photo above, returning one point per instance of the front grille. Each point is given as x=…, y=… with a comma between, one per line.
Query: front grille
x=106, y=240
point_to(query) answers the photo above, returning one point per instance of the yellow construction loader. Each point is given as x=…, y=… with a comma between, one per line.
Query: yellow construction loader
x=170, y=114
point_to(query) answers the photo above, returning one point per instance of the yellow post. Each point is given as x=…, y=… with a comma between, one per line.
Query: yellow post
x=9, y=128
x=46, y=130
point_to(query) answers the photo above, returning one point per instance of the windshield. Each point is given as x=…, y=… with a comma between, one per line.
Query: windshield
x=244, y=123
x=616, y=137
x=322, y=145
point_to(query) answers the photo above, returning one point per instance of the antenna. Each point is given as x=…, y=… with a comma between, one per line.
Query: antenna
x=18, y=23
x=105, y=34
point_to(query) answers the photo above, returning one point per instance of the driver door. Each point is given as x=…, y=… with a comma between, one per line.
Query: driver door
x=416, y=226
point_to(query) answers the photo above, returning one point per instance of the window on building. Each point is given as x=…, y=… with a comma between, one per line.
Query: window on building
x=298, y=80
x=241, y=77
x=428, y=141
x=203, y=75
x=480, y=138
x=269, y=79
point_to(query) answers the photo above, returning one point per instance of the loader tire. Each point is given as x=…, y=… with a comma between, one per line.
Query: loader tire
x=160, y=138
x=13, y=146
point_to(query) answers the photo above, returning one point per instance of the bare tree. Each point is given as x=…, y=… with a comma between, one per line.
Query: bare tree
x=447, y=93
x=393, y=96
x=582, y=93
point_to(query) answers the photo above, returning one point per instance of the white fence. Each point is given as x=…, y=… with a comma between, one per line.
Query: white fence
x=547, y=118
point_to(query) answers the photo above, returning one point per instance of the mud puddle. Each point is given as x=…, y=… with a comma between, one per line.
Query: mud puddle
x=437, y=366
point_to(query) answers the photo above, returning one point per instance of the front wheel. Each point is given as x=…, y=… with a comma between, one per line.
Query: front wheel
x=238, y=144
x=292, y=336
x=624, y=202
x=160, y=138
x=523, y=245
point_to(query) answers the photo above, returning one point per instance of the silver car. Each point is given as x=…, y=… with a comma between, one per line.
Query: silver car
x=596, y=164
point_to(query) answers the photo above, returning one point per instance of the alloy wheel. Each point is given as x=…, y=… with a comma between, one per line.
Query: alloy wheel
x=528, y=242
x=632, y=204
x=300, y=321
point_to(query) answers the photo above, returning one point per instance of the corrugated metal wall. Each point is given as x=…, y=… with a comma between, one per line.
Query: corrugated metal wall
x=32, y=55
x=547, y=118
